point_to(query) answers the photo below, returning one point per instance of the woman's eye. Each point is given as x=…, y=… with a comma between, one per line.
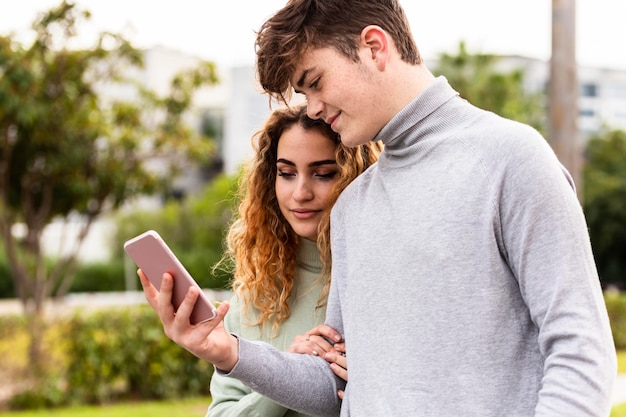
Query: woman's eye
x=285, y=174
x=327, y=176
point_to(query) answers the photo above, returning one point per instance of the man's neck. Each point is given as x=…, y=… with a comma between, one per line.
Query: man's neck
x=408, y=82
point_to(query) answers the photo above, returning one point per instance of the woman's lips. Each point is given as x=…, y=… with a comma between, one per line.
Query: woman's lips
x=304, y=214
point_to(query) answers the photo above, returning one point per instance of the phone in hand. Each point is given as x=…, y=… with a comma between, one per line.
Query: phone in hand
x=154, y=258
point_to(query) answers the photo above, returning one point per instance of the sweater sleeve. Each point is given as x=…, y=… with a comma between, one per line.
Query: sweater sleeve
x=303, y=383
x=232, y=398
x=547, y=246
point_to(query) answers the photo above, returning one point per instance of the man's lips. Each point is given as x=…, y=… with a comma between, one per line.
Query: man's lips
x=331, y=119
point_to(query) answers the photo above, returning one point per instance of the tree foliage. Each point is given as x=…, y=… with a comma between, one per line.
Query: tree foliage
x=477, y=79
x=195, y=229
x=68, y=153
x=605, y=203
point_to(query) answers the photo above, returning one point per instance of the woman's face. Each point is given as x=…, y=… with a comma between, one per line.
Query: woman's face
x=306, y=174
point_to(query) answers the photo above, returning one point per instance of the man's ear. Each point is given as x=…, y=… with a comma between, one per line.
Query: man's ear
x=376, y=40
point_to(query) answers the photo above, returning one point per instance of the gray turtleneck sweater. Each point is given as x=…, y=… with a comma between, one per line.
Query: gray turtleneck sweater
x=463, y=280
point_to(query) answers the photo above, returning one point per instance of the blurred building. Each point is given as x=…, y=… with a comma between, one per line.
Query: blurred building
x=602, y=92
x=235, y=109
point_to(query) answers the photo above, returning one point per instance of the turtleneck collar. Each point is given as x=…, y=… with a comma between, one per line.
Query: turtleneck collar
x=409, y=118
x=308, y=257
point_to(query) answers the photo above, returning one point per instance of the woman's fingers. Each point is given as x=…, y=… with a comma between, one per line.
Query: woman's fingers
x=317, y=341
x=310, y=344
x=338, y=363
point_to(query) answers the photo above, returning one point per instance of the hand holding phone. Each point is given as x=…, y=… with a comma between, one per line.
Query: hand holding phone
x=154, y=258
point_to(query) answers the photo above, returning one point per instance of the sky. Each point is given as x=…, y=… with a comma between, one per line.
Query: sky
x=223, y=30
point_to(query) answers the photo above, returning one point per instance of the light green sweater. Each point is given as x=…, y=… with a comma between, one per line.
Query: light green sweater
x=233, y=398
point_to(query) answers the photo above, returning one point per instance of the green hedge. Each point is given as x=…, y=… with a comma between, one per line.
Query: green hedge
x=119, y=354
x=122, y=353
x=7, y=289
x=100, y=277
x=616, y=306
x=109, y=276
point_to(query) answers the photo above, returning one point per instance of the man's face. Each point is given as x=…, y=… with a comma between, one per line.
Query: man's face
x=345, y=94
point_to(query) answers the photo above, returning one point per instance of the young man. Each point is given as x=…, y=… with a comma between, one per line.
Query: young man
x=463, y=279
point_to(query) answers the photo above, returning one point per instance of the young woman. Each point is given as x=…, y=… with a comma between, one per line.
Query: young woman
x=279, y=246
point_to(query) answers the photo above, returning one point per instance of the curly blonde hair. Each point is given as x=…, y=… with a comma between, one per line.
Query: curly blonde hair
x=260, y=243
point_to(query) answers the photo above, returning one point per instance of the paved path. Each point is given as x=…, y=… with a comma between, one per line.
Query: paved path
x=99, y=300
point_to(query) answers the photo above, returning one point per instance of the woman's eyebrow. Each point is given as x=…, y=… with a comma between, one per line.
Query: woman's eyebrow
x=285, y=161
x=323, y=162
x=312, y=164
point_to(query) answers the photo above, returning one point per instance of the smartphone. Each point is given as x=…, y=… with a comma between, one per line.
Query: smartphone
x=152, y=255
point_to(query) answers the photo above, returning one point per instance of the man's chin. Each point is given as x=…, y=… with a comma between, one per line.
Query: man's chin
x=353, y=141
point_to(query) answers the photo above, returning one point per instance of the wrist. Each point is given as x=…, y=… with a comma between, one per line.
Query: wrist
x=229, y=362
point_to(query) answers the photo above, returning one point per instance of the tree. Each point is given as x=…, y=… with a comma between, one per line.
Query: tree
x=66, y=153
x=564, y=135
x=477, y=79
x=605, y=203
x=195, y=229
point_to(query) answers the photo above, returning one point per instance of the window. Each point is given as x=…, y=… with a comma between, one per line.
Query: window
x=589, y=90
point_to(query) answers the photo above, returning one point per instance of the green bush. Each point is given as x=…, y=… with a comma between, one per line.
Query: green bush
x=119, y=354
x=10, y=325
x=90, y=277
x=605, y=203
x=7, y=289
x=616, y=306
x=194, y=229
x=97, y=277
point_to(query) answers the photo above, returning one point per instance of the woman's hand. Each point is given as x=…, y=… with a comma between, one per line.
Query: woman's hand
x=315, y=341
x=338, y=363
x=209, y=340
x=337, y=359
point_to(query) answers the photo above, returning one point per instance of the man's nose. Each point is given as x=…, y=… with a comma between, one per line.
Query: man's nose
x=314, y=108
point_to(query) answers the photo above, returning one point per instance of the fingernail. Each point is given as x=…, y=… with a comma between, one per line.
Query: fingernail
x=314, y=353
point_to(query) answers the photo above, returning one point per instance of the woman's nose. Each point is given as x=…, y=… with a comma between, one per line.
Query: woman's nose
x=303, y=191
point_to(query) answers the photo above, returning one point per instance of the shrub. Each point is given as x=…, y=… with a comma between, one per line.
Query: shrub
x=616, y=306
x=118, y=354
x=7, y=289
x=95, y=277
x=194, y=229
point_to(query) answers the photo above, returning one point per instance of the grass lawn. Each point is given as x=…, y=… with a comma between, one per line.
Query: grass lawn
x=619, y=411
x=195, y=407
x=621, y=361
